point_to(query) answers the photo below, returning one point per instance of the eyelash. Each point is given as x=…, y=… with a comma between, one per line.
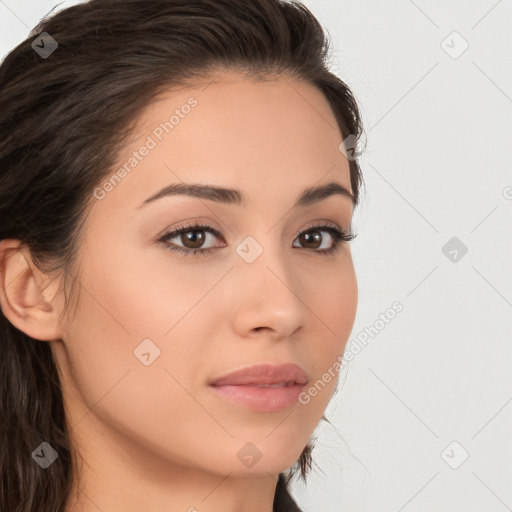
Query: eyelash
x=337, y=234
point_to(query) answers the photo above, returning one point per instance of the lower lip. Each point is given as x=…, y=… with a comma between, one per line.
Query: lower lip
x=261, y=399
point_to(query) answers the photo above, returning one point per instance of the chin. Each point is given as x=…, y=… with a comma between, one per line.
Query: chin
x=249, y=460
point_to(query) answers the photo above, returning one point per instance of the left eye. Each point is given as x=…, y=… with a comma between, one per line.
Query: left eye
x=194, y=238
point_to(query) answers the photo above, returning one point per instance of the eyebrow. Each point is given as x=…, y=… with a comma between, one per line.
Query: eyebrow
x=235, y=197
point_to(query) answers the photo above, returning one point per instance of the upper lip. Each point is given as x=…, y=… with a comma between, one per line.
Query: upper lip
x=264, y=374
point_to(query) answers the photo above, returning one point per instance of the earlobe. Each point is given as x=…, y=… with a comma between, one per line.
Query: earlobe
x=24, y=299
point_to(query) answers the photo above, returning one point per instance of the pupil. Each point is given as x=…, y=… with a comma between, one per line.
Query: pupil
x=197, y=240
x=315, y=237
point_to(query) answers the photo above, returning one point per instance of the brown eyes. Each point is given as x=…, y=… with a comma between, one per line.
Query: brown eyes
x=193, y=237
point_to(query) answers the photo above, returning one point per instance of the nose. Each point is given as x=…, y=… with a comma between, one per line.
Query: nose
x=269, y=296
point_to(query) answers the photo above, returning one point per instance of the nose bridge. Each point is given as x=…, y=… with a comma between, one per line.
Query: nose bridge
x=262, y=257
x=268, y=297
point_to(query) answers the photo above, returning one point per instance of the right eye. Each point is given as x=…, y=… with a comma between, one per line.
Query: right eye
x=195, y=240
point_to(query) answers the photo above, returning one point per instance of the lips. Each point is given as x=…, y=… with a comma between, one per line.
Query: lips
x=264, y=375
x=262, y=387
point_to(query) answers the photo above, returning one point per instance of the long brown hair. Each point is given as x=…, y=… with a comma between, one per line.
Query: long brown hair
x=64, y=115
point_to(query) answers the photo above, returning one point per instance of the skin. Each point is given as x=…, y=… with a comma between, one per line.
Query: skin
x=155, y=437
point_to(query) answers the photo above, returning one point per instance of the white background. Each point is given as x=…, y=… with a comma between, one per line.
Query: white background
x=437, y=165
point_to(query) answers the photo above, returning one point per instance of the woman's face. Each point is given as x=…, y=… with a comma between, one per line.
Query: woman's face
x=154, y=326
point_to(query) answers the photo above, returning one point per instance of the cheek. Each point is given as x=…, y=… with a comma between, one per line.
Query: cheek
x=145, y=291
x=332, y=297
x=132, y=308
x=334, y=311
x=121, y=305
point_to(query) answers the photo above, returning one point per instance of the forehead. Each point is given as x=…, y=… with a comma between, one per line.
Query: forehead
x=267, y=138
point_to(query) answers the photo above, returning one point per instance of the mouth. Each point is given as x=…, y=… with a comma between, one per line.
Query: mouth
x=262, y=388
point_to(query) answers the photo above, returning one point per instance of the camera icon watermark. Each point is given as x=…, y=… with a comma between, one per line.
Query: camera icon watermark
x=44, y=45
x=44, y=455
x=348, y=147
x=454, y=249
x=454, y=45
x=249, y=249
x=455, y=455
x=249, y=454
x=146, y=352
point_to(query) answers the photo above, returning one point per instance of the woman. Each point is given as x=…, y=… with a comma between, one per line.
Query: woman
x=177, y=287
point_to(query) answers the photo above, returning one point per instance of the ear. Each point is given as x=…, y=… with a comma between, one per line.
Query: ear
x=25, y=297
